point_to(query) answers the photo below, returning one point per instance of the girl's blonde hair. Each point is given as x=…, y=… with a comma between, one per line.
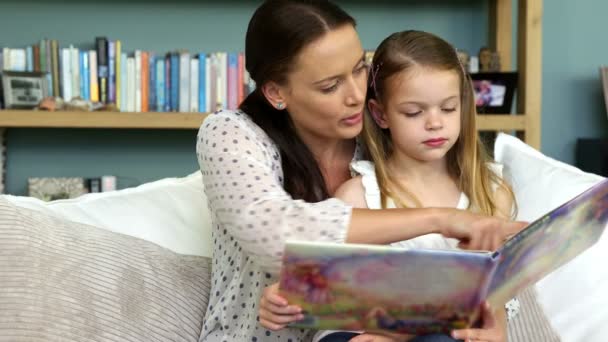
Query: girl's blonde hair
x=468, y=159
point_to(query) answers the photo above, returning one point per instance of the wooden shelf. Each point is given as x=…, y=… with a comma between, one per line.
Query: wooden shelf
x=500, y=122
x=44, y=119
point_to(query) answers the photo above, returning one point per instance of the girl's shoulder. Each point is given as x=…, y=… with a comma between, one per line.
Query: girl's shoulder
x=496, y=168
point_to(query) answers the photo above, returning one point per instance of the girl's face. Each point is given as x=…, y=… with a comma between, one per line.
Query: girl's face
x=325, y=91
x=422, y=111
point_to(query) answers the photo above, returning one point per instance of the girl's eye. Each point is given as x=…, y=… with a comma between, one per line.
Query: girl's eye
x=413, y=114
x=448, y=110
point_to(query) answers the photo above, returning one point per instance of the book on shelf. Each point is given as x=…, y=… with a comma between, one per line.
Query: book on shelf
x=420, y=291
x=176, y=81
x=604, y=78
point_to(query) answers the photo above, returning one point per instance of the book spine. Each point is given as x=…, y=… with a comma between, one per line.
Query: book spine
x=84, y=75
x=174, y=82
x=93, y=81
x=202, y=84
x=111, y=72
x=138, y=81
x=152, y=93
x=66, y=77
x=130, y=84
x=36, y=49
x=123, y=82
x=118, y=74
x=75, y=63
x=194, y=84
x=167, y=83
x=29, y=59
x=54, y=71
x=145, y=82
x=184, y=82
x=160, y=84
x=101, y=44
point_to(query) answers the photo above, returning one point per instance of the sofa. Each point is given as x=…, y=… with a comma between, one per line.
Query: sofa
x=134, y=264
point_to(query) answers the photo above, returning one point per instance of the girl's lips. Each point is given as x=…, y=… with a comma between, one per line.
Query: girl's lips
x=353, y=119
x=435, y=142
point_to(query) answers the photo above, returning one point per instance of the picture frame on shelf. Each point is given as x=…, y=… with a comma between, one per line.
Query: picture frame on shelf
x=494, y=91
x=23, y=90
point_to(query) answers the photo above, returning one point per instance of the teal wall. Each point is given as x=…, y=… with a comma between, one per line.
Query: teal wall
x=574, y=46
x=137, y=156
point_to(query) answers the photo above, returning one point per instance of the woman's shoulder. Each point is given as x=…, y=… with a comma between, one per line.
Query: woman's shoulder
x=234, y=124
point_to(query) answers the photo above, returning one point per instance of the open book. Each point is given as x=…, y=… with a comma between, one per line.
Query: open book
x=371, y=287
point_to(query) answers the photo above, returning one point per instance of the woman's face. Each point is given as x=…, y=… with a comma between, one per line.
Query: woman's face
x=325, y=91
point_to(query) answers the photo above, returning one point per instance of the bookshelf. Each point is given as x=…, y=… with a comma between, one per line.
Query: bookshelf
x=527, y=121
x=115, y=120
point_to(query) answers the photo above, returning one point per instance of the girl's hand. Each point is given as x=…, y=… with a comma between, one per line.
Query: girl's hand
x=380, y=338
x=275, y=313
x=491, y=331
x=478, y=232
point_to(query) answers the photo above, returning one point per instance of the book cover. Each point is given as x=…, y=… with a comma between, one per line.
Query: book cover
x=421, y=291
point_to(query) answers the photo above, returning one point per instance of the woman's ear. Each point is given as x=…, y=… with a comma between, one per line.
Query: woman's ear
x=274, y=95
x=377, y=112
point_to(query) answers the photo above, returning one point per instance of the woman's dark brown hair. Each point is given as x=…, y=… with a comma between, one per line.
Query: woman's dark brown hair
x=277, y=33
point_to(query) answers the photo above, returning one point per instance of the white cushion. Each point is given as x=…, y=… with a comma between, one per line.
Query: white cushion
x=574, y=297
x=170, y=212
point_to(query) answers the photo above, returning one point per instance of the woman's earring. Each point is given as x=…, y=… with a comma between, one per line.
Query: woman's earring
x=280, y=105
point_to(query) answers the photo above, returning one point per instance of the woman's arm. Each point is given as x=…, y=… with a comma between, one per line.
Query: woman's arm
x=243, y=183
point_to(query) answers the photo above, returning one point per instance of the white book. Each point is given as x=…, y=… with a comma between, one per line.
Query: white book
x=130, y=99
x=6, y=59
x=194, y=83
x=224, y=79
x=184, y=82
x=18, y=60
x=75, y=63
x=66, y=74
x=123, y=82
x=137, y=81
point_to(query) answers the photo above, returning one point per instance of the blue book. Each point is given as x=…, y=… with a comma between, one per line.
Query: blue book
x=111, y=71
x=202, y=84
x=174, y=82
x=167, y=83
x=160, y=84
x=152, y=82
x=29, y=59
x=85, y=87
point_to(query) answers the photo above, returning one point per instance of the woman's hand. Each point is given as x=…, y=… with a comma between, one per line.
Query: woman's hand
x=478, y=232
x=491, y=330
x=275, y=313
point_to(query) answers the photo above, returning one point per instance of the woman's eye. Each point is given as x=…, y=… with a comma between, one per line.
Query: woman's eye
x=361, y=69
x=330, y=89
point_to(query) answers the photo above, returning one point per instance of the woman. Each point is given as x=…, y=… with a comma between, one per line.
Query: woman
x=271, y=168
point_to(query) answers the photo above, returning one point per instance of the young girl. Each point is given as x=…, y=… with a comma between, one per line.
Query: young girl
x=420, y=133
